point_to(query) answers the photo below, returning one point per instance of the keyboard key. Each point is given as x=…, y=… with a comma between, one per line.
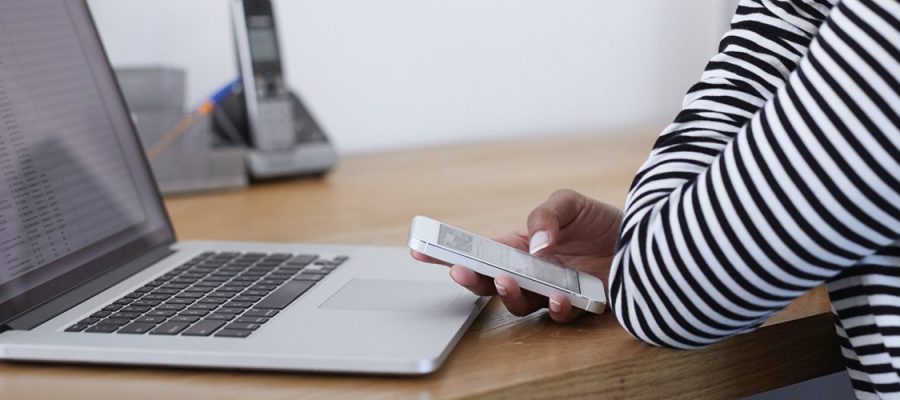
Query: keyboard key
x=102, y=328
x=101, y=314
x=315, y=269
x=204, y=306
x=114, y=321
x=235, y=286
x=233, y=333
x=181, y=300
x=180, y=283
x=112, y=307
x=194, y=312
x=220, y=317
x=151, y=319
x=256, y=312
x=155, y=297
x=170, y=328
x=76, y=328
x=252, y=292
x=137, y=309
x=185, y=318
x=243, y=326
x=285, y=295
x=211, y=300
x=203, y=328
x=309, y=277
x=125, y=315
x=137, y=328
x=230, y=310
x=252, y=320
x=161, y=313
x=143, y=302
x=88, y=321
x=238, y=304
x=240, y=263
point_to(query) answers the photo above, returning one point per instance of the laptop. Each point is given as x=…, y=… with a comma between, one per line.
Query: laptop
x=91, y=272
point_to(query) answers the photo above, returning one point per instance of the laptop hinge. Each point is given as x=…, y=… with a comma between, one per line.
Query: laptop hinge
x=76, y=296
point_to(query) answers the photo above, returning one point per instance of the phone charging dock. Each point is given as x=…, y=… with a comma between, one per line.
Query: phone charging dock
x=302, y=159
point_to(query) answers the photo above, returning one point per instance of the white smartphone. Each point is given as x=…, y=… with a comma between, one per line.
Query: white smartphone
x=488, y=257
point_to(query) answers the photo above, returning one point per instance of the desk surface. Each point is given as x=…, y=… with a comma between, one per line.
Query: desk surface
x=487, y=188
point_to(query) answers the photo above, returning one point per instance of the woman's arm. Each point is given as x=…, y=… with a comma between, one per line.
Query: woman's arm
x=773, y=178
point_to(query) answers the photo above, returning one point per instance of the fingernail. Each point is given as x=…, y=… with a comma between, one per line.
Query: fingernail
x=500, y=289
x=555, y=306
x=539, y=241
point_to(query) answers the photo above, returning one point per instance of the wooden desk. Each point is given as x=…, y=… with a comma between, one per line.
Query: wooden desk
x=487, y=188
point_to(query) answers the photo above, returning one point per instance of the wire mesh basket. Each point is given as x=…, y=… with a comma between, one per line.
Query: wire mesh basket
x=195, y=160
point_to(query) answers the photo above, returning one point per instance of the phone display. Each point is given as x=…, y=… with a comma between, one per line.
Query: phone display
x=507, y=258
x=263, y=47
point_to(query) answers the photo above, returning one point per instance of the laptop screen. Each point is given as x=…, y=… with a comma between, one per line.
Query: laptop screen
x=76, y=195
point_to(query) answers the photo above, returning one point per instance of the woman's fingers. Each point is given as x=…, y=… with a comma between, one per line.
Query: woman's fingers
x=561, y=309
x=421, y=257
x=519, y=302
x=476, y=283
x=545, y=221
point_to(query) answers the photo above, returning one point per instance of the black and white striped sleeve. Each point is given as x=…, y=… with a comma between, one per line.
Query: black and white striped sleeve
x=782, y=170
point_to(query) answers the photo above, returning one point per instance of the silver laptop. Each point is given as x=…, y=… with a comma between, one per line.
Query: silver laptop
x=90, y=271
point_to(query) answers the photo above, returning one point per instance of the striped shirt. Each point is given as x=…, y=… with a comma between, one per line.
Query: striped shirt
x=781, y=173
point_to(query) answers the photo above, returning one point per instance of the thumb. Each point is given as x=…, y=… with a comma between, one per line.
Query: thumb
x=545, y=221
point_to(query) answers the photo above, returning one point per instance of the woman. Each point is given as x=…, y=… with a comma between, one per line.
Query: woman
x=781, y=173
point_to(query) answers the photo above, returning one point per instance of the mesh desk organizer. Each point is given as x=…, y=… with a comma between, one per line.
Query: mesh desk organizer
x=195, y=159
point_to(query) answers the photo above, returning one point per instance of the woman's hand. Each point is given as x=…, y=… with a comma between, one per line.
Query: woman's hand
x=569, y=229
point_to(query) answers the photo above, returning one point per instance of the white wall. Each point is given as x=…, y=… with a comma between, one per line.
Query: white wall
x=395, y=73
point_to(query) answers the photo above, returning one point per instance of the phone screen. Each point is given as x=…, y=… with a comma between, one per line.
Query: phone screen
x=507, y=258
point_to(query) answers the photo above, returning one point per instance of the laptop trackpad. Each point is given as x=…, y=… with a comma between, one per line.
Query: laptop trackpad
x=393, y=295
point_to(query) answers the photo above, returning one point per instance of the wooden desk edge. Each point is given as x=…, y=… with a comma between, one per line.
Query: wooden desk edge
x=808, y=346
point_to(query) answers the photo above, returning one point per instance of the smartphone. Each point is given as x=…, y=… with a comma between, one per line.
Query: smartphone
x=487, y=257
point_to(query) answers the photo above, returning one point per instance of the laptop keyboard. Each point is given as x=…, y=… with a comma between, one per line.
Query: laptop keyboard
x=223, y=294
